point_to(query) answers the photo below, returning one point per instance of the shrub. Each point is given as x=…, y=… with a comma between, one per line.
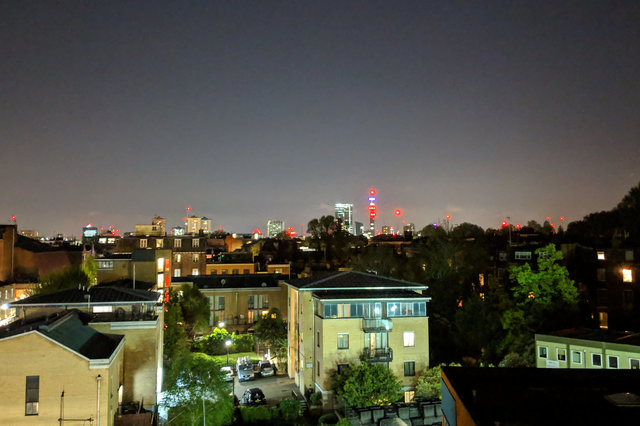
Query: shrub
x=259, y=414
x=343, y=422
x=243, y=343
x=289, y=409
x=316, y=398
x=328, y=419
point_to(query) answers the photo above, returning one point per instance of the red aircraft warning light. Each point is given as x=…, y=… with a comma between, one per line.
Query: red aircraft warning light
x=518, y=226
x=448, y=217
x=504, y=224
x=188, y=208
x=398, y=212
x=372, y=192
x=548, y=217
x=562, y=218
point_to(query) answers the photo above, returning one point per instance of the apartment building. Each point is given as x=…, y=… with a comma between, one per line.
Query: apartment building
x=137, y=315
x=56, y=369
x=590, y=349
x=339, y=318
x=238, y=300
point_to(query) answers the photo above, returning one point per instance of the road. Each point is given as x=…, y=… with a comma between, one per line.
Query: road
x=275, y=388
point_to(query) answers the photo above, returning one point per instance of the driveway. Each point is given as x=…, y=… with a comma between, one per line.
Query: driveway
x=275, y=388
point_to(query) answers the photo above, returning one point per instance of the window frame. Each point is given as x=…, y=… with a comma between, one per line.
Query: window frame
x=341, y=348
x=617, y=358
x=634, y=359
x=593, y=356
x=412, y=371
x=558, y=354
x=579, y=353
x=413, y=339
x=546, y=352
x=31, y=401
x=143, y=243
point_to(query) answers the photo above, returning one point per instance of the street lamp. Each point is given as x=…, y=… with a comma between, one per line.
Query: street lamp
x=221, y=324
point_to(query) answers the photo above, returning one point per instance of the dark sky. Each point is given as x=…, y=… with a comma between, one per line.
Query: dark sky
x=112, y=112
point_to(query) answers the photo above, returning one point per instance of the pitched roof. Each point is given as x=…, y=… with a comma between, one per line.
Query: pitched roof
x=94, y=295
x=353, y=280
x=369, y=294
x=68, y=329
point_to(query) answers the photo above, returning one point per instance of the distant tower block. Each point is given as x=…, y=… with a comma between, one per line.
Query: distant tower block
x=373, y=212
x=344, y=215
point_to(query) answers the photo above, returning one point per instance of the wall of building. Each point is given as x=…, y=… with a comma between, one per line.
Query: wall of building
x=231, y=268
x=418, y=353
x=141, y=353
x=58, y=369
x=301, y=339
x=624, y=353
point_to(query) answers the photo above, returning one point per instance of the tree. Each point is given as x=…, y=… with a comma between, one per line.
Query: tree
x=175, y=336
x=195, y=389
x=90, y=268
x=550, y=284
x=64, y=279
x=195, y=309
x=271, y=330
x=366, y=384
x=430, y=381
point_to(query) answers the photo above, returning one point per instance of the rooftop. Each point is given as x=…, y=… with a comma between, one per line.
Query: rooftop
x=229, y=281
x=69, y=330
x=352, y=280
x=368, y=294
x=535, y=396
x=598, y=335
x=94, y=295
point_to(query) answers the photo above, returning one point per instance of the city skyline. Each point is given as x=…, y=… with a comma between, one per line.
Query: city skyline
x=113, y=113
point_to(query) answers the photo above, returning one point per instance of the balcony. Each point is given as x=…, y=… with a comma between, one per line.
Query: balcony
x=374, y=325
x=378, y=354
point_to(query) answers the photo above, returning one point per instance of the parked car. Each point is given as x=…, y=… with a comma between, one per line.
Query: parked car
x=266, y=368
x=244, y=366
x=253, y=396
x=228, y=373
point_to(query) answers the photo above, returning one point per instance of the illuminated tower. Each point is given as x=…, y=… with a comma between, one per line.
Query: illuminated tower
x=372, y=212
x=344, y=214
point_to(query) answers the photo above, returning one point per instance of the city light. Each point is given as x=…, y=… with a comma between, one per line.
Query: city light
x=448, y=217
x=372, y=192
x=398, y=212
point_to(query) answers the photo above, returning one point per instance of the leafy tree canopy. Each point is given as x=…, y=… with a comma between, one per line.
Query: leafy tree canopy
x=192, y=379
x=195, y=309
x=64, y=279
x=271, y=330
x=366, y=385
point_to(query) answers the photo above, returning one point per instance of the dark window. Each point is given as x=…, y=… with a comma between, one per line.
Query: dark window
x=542, y=352
x=32, y=396
x=634, y=364
x=613, y=361
x=596, y=360
x=318, y=368
x=246, y=271
x=342, y=368
x=318, y=340
x=409, y=368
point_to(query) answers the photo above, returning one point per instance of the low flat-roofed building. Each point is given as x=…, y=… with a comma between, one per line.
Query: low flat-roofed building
x=534, y=396
x=588, y=348
x=56, y=368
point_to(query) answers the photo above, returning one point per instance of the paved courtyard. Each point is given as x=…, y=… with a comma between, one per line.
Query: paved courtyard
x=275, y=388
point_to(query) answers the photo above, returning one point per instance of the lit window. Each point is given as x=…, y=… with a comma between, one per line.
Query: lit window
x=32, y=397
x=177, y=243
x=562, y=354
x=160, y=280
x=159, y=243
x=542, y=352
x=601, y=255
x=596, y=360
x=177, y=272
x=409, y=368
x=219, y=303
x=634, y=364
x=195, y=271
x=612, y=361
x=627, y=275
x=343, y=340
x=409, y=395
x=603, y=317
x=576, y=357
x=178, y=258
x=102, y=309
x=409, y=338
x=195, y=257
x=160, y=263
x=195, y=242
x=143, y=243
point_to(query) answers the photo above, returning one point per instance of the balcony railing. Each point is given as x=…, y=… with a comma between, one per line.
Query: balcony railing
x=378, y=354
x=373, y=325
x=123, y=316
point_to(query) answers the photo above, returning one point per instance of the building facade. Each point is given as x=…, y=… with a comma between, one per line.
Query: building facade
x=344, y=216
x=274, y=227
x=343, y=317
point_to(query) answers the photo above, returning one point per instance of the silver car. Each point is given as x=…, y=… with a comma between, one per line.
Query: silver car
x=266, y=369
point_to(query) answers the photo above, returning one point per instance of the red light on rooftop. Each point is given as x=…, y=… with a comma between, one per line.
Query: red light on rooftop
x=372, y=192
x=13, y=217
x=504, y=224
x=553, y=226
x=188, y=208
x=448, y=217
x=562, y=218
x=518, y=226
x=398, y=212
x=548, y=217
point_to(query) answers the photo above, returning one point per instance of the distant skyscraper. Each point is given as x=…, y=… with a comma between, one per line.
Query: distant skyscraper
x=386, y=230
x=359, y=228
x=409, y=228
x=372, y=212
x=274, y=227
x=344, y=214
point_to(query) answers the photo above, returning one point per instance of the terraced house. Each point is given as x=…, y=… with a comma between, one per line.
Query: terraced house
x=341, y=317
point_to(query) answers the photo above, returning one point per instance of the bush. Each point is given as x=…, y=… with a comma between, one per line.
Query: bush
x=259, y=414
x=289, y=409
x=243, y=343
x=316, y=398
x=343, y=422
x=328, y=419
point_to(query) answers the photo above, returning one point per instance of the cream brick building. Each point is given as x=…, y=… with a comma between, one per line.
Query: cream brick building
x=339, y=318
x=57, y=367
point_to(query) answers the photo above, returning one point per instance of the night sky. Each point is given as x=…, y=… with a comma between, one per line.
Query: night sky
x=113, y=112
